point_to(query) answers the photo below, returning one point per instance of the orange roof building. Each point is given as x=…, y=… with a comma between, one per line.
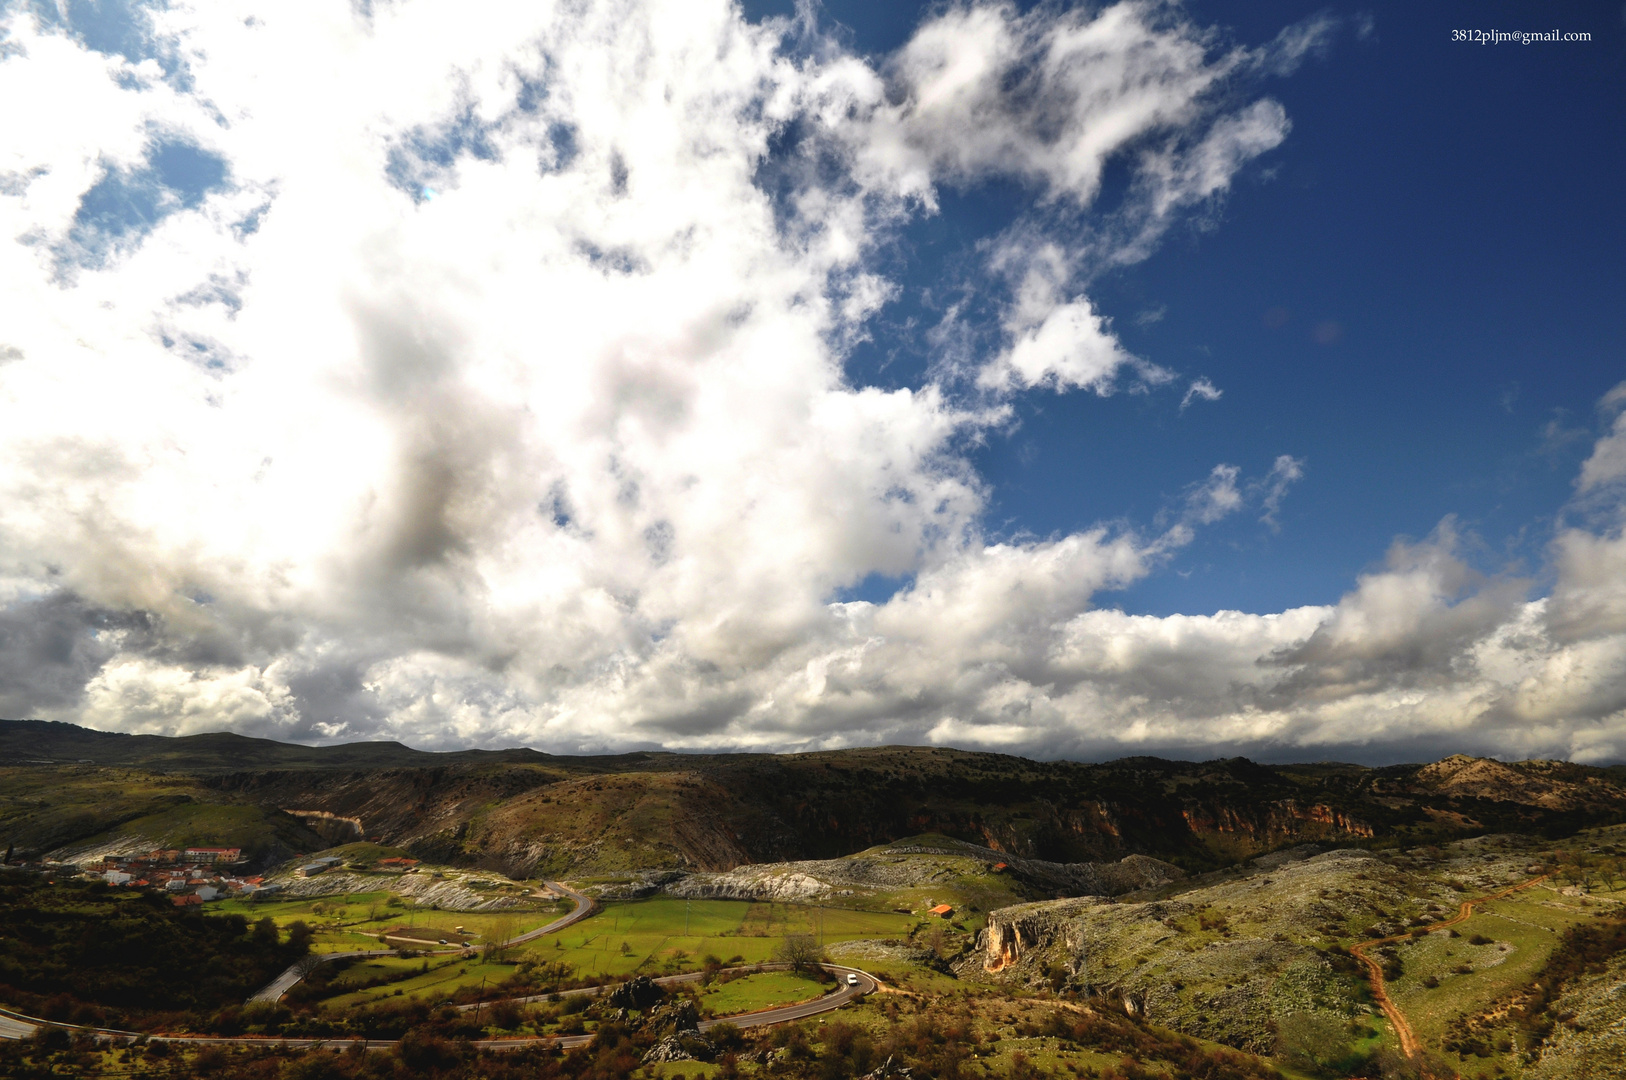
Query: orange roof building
x=942, y=911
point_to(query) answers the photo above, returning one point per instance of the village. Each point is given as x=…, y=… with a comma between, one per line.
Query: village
x=193, y=876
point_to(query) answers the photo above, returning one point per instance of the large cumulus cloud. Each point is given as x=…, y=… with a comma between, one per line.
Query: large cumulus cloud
x=476, y=376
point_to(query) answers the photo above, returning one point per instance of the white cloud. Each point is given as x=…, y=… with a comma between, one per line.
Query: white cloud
x=1606, y=466
x=565, y=454
x=1200, y=388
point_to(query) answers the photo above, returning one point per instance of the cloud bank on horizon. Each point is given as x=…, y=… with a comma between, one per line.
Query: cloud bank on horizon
x=476, y=377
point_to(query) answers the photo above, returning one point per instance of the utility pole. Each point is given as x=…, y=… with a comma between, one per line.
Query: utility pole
x=685, y=916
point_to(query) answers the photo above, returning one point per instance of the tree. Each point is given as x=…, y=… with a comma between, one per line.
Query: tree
x=1311, y=1041
x=500, y=936
x=801, y=951
x=299, y=936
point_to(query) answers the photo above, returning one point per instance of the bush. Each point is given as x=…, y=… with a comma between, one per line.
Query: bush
x=79, y=949
x=1314, y=1042
x=422, y=1052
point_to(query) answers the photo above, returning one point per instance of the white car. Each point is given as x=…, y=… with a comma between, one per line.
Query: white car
x=852, y=980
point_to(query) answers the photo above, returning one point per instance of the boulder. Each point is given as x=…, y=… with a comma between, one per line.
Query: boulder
x=638, y=993
x=677, y=1017
x=889, y=1070
x=681, y=1046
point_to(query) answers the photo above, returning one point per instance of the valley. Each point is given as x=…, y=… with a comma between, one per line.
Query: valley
x=1126, y=920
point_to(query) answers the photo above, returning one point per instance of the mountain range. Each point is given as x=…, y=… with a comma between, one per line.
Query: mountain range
x=528, y=813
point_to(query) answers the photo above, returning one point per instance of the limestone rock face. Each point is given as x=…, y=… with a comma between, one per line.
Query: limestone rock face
x=1015, y=933
x=681, y=1046
x=901, y=867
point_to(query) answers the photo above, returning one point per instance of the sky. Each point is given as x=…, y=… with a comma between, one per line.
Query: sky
x=1066, y=380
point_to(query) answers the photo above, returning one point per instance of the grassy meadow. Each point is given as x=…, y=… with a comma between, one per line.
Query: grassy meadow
x=1518, y=935
x=748, y=993
x=431, y=978
x=355, y=920
x=663, y=935
x=658, y=936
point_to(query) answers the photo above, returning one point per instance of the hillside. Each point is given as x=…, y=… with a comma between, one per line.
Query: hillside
x=525, y=813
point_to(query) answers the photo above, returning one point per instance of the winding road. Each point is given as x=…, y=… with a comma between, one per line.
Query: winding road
x=274, y=991
x=15, y=1025
x=1409, y=1044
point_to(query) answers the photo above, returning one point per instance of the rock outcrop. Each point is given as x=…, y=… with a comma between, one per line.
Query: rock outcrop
x=900, y=867
x=889, y=1069
x=1222, y=962
x=640, y=992
x=1014, y=934
x=452, y=891
x=330, y=827
x=682, y=1046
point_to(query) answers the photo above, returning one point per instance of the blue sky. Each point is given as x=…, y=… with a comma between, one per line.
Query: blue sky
x=1072, y=380
x=1450, y=214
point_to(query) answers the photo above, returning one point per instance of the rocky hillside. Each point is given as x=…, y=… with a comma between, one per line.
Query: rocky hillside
x=1590, y=1043
x=525, y=813
x=923, y=863
x=1230, y=960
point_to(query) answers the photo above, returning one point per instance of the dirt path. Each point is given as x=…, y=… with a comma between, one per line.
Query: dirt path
x=1374, y=970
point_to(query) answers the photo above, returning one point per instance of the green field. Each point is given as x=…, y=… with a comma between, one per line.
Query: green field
x=663, y=935
x=1524, y=930
x=655, y=937
x=445, y=975
x=354, y=920
x=749, y=993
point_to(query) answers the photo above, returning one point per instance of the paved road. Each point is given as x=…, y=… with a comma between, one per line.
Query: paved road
x=1409, y=1043
x=285, y=982
x=11, y=1028
x=24, y=1026
x=274, y=991
x=585, y=906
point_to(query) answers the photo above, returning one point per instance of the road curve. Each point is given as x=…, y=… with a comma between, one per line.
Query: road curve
x=585, y=906
x=1409, y=1044
x=276, y=988
x=19, y=1026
